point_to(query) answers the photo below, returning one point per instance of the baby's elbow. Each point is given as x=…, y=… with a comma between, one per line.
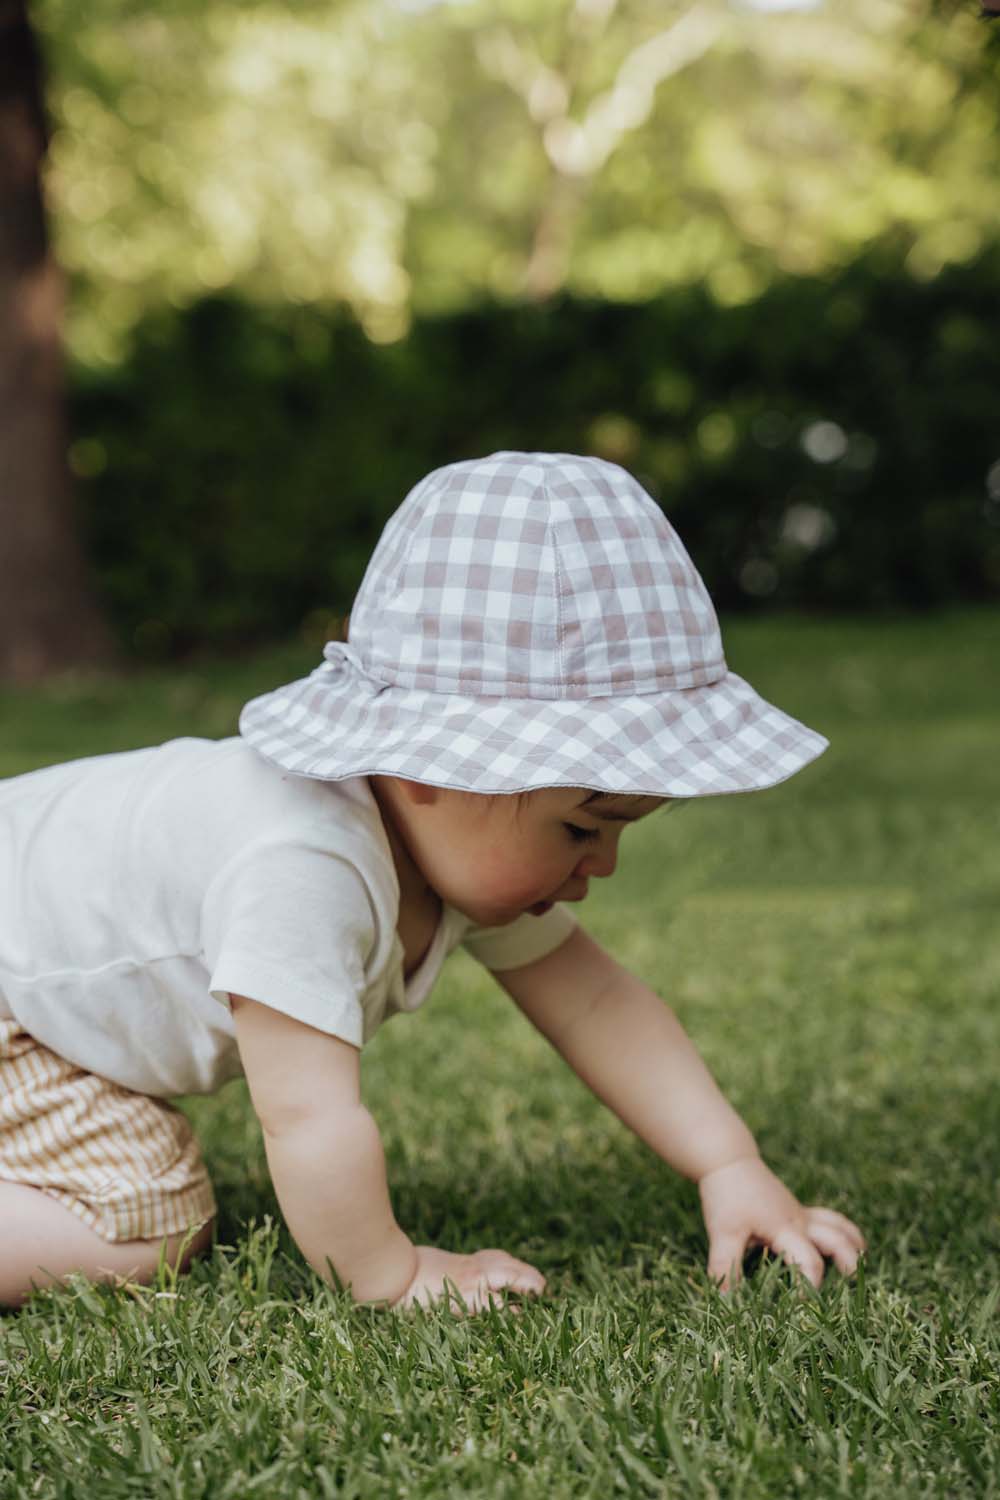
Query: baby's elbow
x=283, y=1117
x=308, y=1119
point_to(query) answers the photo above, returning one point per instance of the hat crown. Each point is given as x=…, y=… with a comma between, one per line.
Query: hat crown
x=534, y=575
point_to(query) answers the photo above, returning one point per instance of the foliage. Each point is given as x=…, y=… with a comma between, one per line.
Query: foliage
x=832, y=444
x=396, y=155
x=843, y=986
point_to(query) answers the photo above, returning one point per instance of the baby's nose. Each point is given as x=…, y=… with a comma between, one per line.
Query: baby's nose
x=600, y=862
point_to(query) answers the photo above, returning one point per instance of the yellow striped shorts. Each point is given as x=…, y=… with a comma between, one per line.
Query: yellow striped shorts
x=126, y=1164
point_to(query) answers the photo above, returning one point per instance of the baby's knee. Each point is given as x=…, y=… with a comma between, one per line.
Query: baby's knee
x=43, y=1243
x=141, y=1260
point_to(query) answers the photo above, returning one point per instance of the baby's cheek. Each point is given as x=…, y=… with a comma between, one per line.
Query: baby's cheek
x=513, y=892
x=508, y=885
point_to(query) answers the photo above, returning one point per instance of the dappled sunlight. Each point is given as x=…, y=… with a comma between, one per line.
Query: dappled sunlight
x=414, y=156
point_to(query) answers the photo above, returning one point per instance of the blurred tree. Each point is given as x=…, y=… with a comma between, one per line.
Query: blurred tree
x=636, y=144
x=206, y=145
x=48, y=618
x=422, y=153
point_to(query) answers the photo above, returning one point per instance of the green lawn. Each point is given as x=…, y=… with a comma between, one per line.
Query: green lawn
x=833, y=946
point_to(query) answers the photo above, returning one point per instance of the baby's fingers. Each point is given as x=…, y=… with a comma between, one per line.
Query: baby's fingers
x=503, y=1272
x=796, y=1250
x=496, y=1291
x=834, y=1220
x=725, y=1259
x=837, y=1244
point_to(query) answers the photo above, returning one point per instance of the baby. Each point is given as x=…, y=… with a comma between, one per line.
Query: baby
x=533, y=663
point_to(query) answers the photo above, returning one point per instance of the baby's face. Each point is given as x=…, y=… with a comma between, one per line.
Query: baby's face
x=496, y=858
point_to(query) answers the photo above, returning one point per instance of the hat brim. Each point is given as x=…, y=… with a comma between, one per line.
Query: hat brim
x=691, y=742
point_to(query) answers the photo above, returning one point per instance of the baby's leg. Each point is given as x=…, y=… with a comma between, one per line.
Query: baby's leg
x=94, y=1178
x=42, y=1241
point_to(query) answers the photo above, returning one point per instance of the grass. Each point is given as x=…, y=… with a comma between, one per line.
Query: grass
x=833, y=946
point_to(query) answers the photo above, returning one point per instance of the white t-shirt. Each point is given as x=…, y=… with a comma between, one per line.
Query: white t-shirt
x=139, y=890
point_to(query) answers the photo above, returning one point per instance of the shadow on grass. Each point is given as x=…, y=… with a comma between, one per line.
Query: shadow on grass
x=917, y=1169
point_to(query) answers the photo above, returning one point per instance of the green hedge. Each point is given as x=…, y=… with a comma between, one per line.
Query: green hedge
x=831, y=445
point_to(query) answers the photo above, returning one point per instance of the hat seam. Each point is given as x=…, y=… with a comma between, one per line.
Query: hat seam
x=614, y=689
x=560, y=633
x=718, y=670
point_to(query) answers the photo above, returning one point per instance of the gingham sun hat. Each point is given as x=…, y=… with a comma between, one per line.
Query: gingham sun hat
x=531, y=620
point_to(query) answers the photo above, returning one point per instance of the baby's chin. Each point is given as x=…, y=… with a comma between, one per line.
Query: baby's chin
x=502, y=916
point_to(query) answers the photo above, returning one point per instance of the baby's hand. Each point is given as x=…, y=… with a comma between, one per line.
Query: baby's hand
x=478, y=1279
x=744, y=1204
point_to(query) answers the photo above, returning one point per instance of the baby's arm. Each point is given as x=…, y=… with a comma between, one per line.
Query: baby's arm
x=630, y=1049
x=324, y=1151
x=328, y=1168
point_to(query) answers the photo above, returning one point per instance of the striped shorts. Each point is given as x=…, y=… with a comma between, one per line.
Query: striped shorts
x=126, y=1164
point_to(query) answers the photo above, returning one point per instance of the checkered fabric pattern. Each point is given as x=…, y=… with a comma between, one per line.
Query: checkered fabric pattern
x=127, y=1165
x=531, y=620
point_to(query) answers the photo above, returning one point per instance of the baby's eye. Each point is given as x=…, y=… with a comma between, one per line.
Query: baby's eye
x=581, y=835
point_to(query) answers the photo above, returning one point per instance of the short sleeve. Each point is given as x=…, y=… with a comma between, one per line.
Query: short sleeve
x=292, y=927
x=520, y=942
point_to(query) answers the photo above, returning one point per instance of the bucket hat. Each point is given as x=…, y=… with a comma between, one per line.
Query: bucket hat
x=531, y=620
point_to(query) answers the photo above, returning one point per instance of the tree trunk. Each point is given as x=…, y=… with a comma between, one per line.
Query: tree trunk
x=49, y=620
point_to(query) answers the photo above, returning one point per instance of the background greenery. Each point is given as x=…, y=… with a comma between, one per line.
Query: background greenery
x=831, y=444
x=416, y=155
x=832, y=946
x=748, y=250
